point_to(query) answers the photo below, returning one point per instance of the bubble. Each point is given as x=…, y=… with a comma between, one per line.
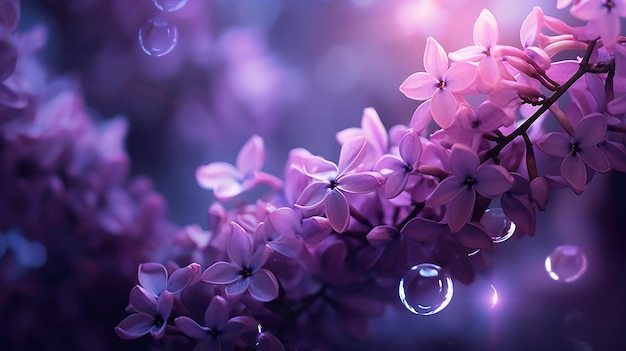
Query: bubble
x=566, y=263
x=498, y=226
x=169, y=5
x=426, y=289
x=158, y=37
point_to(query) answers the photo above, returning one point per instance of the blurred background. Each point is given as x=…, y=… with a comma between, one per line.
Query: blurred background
x=297, y=71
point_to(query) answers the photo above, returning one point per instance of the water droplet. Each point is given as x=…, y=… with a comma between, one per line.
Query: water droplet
x=566, y=263
x=498, y=226
x=494, y=296
x=157, y=37
x=169, y=5
x=426, y=289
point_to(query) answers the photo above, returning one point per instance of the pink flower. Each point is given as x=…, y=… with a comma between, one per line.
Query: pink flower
x=331, y=181
x=579, y=151
x=458, y=190
x=603, y=17
x=244, y=272
x=485, y=39
x=227, y=181
x=439, y=83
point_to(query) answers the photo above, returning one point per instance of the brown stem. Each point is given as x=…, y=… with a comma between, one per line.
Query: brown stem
x=583, y=68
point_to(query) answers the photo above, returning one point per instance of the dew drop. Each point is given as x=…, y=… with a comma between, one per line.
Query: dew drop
x=169, y=5
x=566, y=263
x=498, y=226
x=158, y=37
x=426, y=289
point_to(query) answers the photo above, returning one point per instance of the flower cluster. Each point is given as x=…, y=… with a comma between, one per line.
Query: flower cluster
x=323, y=250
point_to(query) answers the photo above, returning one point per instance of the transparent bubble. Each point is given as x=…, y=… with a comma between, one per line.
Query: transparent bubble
x=158, y=37
x=566, y=263
x=426, y=289
x=169, y=5
x=498, y=226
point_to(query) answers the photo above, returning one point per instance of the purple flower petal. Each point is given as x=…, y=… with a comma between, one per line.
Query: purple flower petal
x=435, y=59
x=164, y=305
x=574, y=171
x=285, y=221
x=319, y=168
x=142, y=301
x=463, y=161
x=468, y=53
x=287, y=245
x=216, y=313
x=410, y=148
x=474, y=237
x=360, y=183
x=460, y=209
x=443, y=107
x=595, y=158
x=190, y=328
x=381, y=235
x=238, y=286
x=182, y=277
x=263, y=286
x=209, y=344
x=221, y=273
x=351, y=154
x=153, y=277
x=588, y=10
x=421, y=229
x=313, y=195
x=337, y=211
x=315, y=229
x=555, y=144
x=519, y=211
x=134, y=326
x=540, y=192
x=389, y=163
x=233, y=328
x=258, y=258
x=591, y=130
x=395, y=184
x=239, y=247
x=486, y=30
x=460, y=76
x=214, y=174
x=445, y=191
x=422, y=117
x=251, y=156
x=419, y=86
x=531, y=27
x=492, y=180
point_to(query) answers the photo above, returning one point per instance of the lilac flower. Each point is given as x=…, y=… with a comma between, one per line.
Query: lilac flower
x=579, y=151
x=218, y=330
x=227, y=181
x=244, y=272
x=468, y=176
x=374, y=130
x=332, y=181
x=150, y=317
x=485, y=42
x=603, y=16
x=153, y=277
x=398, y=169
x=439, y=83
